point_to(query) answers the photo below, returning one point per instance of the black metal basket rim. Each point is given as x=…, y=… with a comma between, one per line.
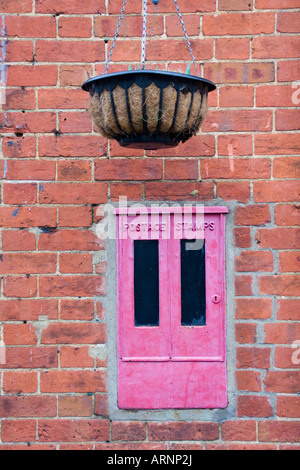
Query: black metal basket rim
x=131, y=73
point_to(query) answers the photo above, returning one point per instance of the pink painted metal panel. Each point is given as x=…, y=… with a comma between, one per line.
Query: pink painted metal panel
x=171, y=366
x=201, y=342
x=166, y=385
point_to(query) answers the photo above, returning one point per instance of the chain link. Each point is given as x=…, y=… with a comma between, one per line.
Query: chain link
x=144, y=35
x=115, y=36
x=186, y=37
x=143, y=58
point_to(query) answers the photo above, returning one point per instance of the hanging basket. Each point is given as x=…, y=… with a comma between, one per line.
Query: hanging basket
x=148, y=109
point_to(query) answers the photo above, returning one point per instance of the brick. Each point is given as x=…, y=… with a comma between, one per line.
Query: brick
x=278, y=238
x=272, y=4
x=238, y=23
x=105, y=26
x=243, y=285
x=282, y=381
x=232, y=48
x=252, y=215
x=276, y=191
x=74, y=8
x=73, y=381
x=128, y=431
x=197, y=146
x=71, y=286
x=238, y=120
x=75, y=122
x=75, y=406
x=74, y=333
x=19, y=147
x=76, y=263
x=281, y=333
x=239, y=73
x=70, y=240
x=248, y=380
x=75, y=27
x=253, y=308
x=287, y=214
x=289, y=261
x=15, y=6
x=74, y=75
x=239, y=191
x=72, y=146
x=73, y=430
x=278, y=431
x=288, y=407
x=173, y=26
x=20, y=382
x=282, y=285
x=28, y=406
x=16, y=240
x=232, y=5
x=30, y=170
x=20, y=286
x=75, y=217
x=30, y=26
x=288, y=22
x=235, y=168
x=20, y=193
x=72, y=193
x=76, y=356
x=285, y=357
x=25, y=309
x=193, y=7
x=64, y=51
x=238, y=430
x=173, y=49
x=275, y=96
x=272, y=47
x=27, y=217
x=19, y=98
x=61, y=98
x=242, y=237
x=236, y=96
x=18, y=430
x=133, y=192
x=32, y=75
x=77, y=309
x=288, y=71
x=28, y=122
x=254, y=261
x=245, y=333
x=31, y=358
x=235, y=145
x=136, y=169
x=288, y=309
x=183, y=431
x=287, y=119
x=19, y=334
x=286, y=167
x=27, y=263
x=74, y=170
x=19, y=51
x=183, y=191
x=254, y=407
x=101, y=405
x=253, y=357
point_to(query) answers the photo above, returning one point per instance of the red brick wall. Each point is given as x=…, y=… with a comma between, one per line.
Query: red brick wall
x=56, y=171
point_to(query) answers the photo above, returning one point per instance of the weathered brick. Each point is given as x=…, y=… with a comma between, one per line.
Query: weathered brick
x=73, y=430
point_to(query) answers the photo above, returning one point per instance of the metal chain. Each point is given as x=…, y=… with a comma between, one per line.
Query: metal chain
x=186, y=37
x=115, y=36
x=144, y=35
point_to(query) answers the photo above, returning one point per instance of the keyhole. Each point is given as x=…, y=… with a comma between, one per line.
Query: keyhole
x=216, y=299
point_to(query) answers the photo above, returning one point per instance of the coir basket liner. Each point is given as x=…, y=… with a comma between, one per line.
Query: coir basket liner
x=148, y=109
